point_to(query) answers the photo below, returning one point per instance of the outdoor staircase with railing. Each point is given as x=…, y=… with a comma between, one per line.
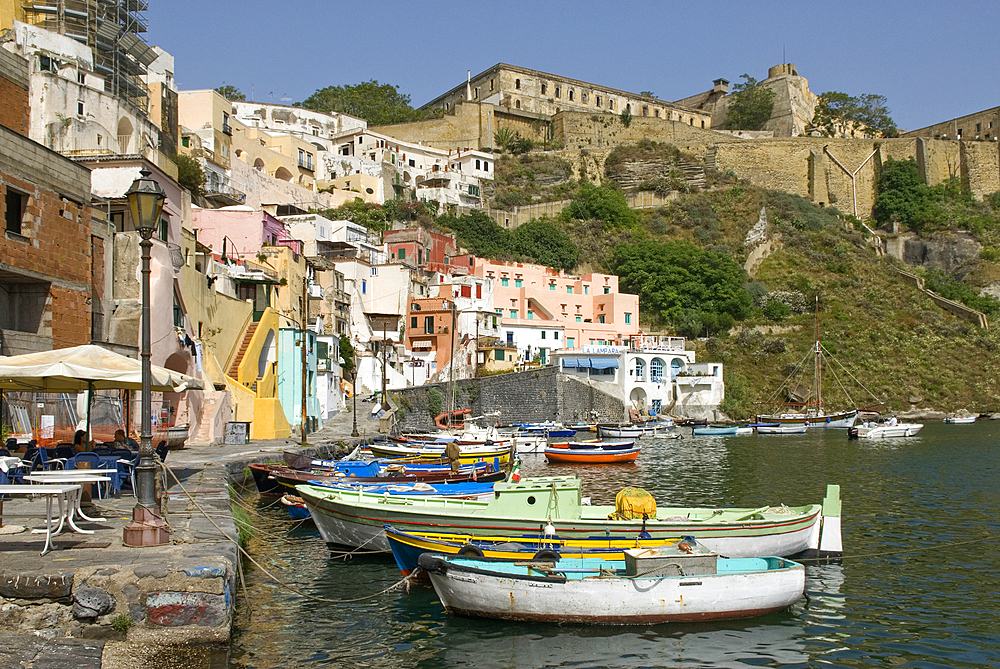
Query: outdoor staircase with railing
x=234, y=368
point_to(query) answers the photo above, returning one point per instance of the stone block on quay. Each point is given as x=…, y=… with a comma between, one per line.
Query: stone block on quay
x=14, y=585
x=91, y=602
x=176, y=609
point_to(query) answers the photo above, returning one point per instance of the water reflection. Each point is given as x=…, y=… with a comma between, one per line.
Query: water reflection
x=911, y=590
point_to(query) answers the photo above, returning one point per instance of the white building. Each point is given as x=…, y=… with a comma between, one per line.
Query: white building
x=448, y=177
x=317, y=128
x=70, y=111
x=656, y=374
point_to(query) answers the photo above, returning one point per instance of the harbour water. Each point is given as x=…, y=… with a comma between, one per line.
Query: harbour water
x=919, y=584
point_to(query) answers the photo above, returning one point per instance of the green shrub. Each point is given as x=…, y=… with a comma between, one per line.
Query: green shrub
x=435, y=402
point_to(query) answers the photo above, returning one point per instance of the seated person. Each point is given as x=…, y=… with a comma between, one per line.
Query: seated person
x=80, y=443
x=120, y=440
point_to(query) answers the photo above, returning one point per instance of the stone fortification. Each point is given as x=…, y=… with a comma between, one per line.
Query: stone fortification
x=806, y=166
x=530, y=396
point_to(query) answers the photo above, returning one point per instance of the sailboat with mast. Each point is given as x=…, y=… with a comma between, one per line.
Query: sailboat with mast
x=809, y=408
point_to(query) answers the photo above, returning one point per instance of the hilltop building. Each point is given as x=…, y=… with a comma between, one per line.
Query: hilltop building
x=984, y=125
x=794, y=103
x=522, y=91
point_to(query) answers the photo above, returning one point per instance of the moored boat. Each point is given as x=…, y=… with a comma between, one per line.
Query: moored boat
x=273, y=479
x=491, y=453
x=790, y=428
x=884, y=430
x=592, y=455
x=716, y=431
x=960, y=418
x=352, y=518
x=654, y=586
x=620, y=431
x=296, y=507
x=408, y=546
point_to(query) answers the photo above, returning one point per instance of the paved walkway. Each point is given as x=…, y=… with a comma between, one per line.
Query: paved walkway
x=39, y=594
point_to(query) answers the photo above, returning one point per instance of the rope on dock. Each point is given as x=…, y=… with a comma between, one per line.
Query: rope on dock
x=405, y=581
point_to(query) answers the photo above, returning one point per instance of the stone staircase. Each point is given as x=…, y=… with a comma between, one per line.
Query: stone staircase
x=234, y=368
x=694, y=174
x=711, y=158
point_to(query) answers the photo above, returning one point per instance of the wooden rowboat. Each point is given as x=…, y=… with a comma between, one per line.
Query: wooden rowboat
x=654, y=586
x=407, y=547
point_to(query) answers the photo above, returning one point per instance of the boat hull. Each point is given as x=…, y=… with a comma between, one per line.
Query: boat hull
x=885, y=431
x=607, y=432
x=960, y=420
x=836, y=421
x=715, y=431
x=356, y=519
x=782, y=429
x=472, y=588
x=407, y=547
x=591, y=456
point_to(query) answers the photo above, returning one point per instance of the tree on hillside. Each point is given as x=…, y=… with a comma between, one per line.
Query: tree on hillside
x=480, y=234
x=379, y=104
x=593, y=202
x=750, y=105
x=904, y=197
x=190, y=174
x=867, y=114
x=231, y=93
x=698, y=291
x=543, y=242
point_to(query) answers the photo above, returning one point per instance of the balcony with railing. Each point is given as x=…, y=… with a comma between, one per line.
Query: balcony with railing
x=223, y=194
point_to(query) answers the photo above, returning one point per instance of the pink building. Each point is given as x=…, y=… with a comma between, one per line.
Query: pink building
x=566, y=311
x=244, y=231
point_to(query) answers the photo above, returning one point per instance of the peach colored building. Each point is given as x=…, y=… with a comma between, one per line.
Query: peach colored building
x=544, y=309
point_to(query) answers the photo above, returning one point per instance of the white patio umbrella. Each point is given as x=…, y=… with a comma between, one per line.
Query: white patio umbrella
x=87, y=367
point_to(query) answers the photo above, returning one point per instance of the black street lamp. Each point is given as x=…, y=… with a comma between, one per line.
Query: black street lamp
x=145, y=202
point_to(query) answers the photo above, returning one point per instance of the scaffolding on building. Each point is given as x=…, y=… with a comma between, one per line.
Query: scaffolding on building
x=113, y=29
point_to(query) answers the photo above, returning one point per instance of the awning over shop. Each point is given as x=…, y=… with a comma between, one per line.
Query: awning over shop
x=592, y=363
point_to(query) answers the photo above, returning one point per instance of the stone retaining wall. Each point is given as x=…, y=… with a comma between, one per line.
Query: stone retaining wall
x=530, y=396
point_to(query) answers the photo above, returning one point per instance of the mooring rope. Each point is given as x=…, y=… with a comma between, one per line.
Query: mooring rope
x=403, y=581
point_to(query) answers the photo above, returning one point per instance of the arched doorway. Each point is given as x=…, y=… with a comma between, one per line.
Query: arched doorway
x=638, y=398
x=283, y=174
x=125, y=131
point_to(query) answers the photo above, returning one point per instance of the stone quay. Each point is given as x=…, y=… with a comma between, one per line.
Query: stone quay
x=92, y=602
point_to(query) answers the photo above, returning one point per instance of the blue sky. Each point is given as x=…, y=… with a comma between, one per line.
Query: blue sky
x=933, y=61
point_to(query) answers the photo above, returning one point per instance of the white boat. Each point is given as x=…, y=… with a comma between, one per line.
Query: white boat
x=790, y=428
x=651, y=585
x=744, y=431
x=529, y=443
x=961, y=418
x=620, y=431
x=884, y=430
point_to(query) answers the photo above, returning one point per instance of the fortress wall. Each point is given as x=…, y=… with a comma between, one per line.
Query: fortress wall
x=800, y=165
x=580, y=130
x=981, y=167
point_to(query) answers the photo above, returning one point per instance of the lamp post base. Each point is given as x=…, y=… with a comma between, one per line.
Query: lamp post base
x=146, y=529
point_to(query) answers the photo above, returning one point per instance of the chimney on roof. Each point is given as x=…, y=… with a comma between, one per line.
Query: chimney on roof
x=720, y=86
x=468, y=85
